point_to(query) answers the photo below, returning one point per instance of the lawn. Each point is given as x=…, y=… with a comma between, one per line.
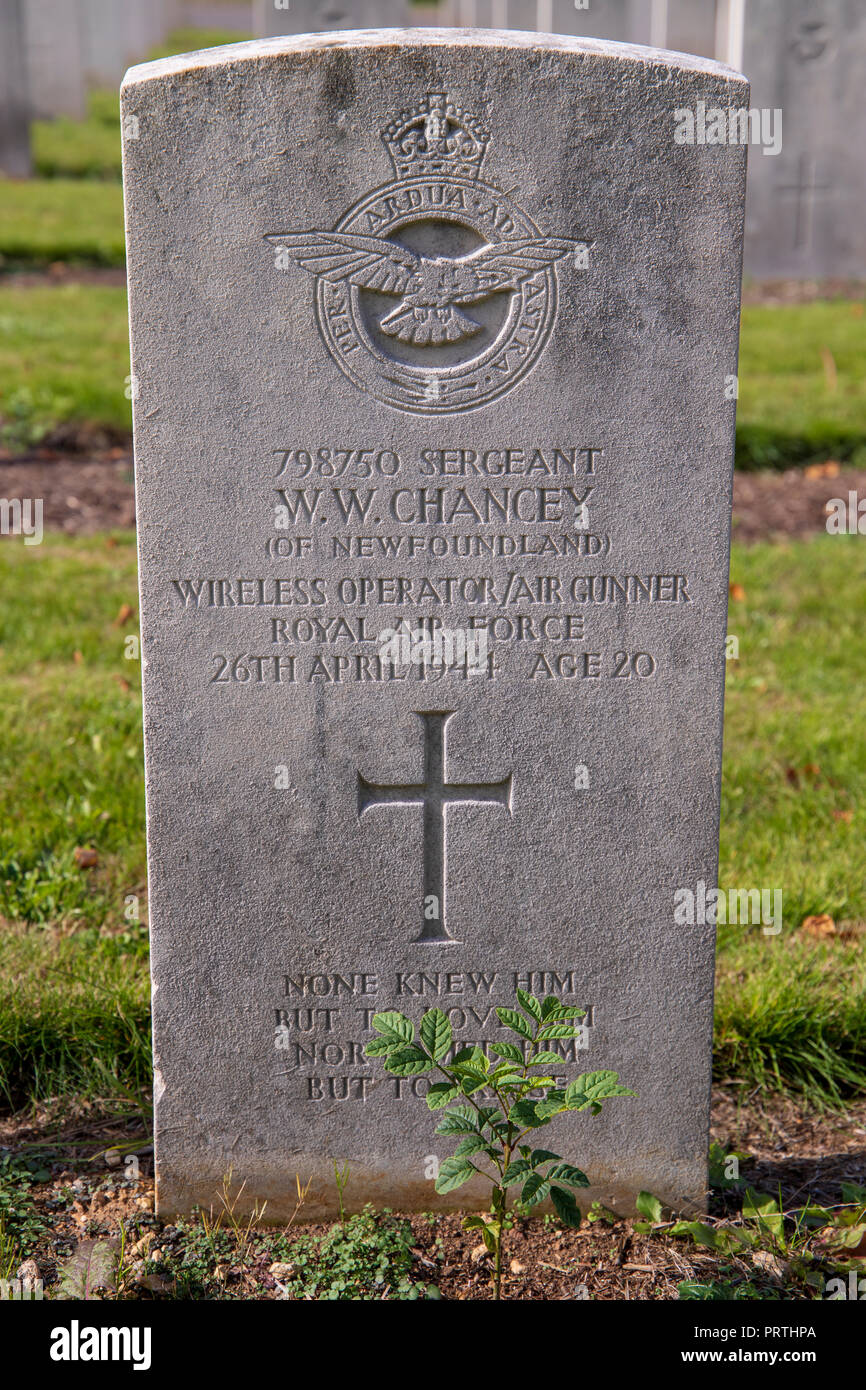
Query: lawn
x=802, y=383
x=791, y=1011
x=47, y=220
x=64, y=357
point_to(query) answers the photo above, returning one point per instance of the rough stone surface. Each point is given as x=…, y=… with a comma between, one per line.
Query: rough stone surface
x=804, y=214
x=539, y=448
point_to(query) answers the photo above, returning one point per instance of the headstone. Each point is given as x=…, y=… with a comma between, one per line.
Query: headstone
x=55, y=58
x=113, y=36
x=14, y=105
x=690, y=27
x=433, y=340
x=608, y=19
x=273, y=17
x=804, y=215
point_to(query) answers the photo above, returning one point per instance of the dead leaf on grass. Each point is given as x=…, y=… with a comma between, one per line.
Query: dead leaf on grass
x=820, y=927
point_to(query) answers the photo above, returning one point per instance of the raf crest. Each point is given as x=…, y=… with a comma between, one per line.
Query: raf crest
x=407, y=241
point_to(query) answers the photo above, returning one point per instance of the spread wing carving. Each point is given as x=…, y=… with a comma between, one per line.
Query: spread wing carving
x=370, y=262
x=506, y=264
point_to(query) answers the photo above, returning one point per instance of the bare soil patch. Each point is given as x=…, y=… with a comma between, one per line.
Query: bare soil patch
x=795, y=1151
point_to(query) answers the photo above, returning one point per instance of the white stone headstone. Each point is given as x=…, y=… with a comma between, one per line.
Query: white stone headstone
x=433, y=336
x=805, y=209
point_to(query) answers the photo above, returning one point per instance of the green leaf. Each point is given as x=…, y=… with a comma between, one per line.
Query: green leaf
x=380, y=1047
x=472, y=1080
x=454, y=1172
x=529, y=1004
x=510, y=1051
x=723, y=1238
x=587, y=1092
x=549, y=1005
x=472, y=1144
x=552, y=1105
x=542, y=1156
x=534, y=1190
x=565, y=1207
x=408, y=1061
x=436, y=1033
x=441, y=1093
x=524, y=1114
x=506, y=1078
x=394, y=1025
x=471, y=1056
x=515, y=1172
x=473, y=1223
x=650, y=1206
x=556, y=1030
x=515, y=1021
x=490, y=1235
x=460, y=1120
x=760, y=1207
x=566, y=1172
x=570, y=1011
x=547, y=1059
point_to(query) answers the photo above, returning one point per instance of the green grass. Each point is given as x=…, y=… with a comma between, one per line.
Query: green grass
x=46, y=220
x=64, y=358
x=802, y=381
x=88, y=149
x=791, y=1012
x=74, y=1017
x=73, y=1007
x=787, y=1008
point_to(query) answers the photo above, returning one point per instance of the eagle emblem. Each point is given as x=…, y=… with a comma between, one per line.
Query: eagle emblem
x=432, y=352
x=429, y=288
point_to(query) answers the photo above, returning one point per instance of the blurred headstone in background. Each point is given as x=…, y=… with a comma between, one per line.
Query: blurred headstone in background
x=14, y=113
x=54, y=58
x=270, y=17
x=113, y=36
x=804, y=212
x=610, y=19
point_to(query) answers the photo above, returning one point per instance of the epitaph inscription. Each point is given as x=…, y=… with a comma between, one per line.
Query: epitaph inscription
x=433, y=503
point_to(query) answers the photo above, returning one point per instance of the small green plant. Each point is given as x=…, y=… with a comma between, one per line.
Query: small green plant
x=341, y=1178
x=20, y=1221
x=724, y=1167
x=500, y=1105
x=367, y=1257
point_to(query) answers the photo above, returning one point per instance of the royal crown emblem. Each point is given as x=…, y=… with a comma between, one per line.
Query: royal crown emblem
x=436, y=138
x=430, y=354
